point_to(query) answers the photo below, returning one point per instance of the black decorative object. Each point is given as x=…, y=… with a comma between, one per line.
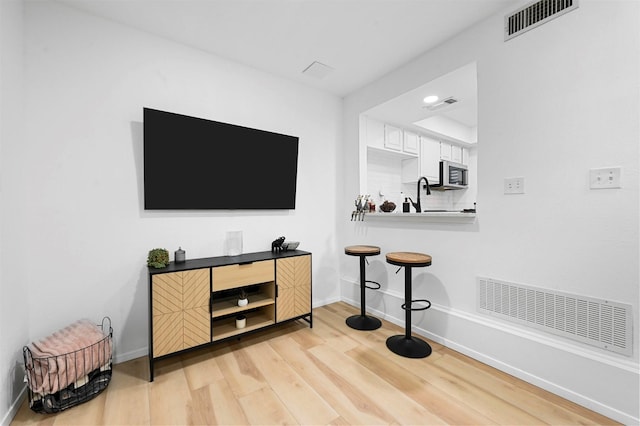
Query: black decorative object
x=276, y=245
x=179, y=255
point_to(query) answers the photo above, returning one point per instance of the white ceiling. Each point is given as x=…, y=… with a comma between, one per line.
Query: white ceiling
x=362, y=40
x=409, y=108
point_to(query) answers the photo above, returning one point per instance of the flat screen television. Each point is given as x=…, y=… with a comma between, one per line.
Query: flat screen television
x=193, y=163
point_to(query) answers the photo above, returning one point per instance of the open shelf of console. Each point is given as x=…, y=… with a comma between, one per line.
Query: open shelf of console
x=225, y=327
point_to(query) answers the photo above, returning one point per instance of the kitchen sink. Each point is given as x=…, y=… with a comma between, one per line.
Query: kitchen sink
x=448, y=211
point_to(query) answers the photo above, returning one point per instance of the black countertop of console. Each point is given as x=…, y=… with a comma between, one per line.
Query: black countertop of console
x=208, y=262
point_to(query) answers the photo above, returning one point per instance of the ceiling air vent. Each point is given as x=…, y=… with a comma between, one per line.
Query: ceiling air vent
x=443, y=103
x=535, y=14
x=317, y=70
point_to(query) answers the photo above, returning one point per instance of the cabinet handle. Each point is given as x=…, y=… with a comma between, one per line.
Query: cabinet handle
x=276, y=291
x=245, y=263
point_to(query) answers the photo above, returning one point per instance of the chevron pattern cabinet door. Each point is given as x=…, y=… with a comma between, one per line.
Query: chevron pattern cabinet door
x=166, y=297
x=181, y=318
x=293, y=276
x=303, y=299
x=195, y=299
x=196, y=327
x=303, y=271
x=303, y=285
x=285, y=280
x=167, y=333
x=285, y=304
x=195, y=288
x=286, y=272
x=167, y=293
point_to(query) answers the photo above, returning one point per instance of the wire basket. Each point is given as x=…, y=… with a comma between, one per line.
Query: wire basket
x=69, y=367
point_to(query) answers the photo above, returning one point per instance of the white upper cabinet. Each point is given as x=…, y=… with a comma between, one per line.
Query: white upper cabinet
x=456, y=154
x=392, y=138
x=411, y=143
x=445, y=151
x=430, y=164
x=427, y=164
x=375, y=133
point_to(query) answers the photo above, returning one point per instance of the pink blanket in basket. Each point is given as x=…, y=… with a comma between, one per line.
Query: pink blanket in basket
x=66, y=356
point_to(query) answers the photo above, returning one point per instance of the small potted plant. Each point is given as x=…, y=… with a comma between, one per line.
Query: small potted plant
x=241, y=321
x=158, y=258
x=242, y=298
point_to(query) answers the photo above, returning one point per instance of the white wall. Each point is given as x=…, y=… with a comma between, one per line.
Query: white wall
x=553, y=103
x=14, y=306
x=75, y=236
x=81, y=226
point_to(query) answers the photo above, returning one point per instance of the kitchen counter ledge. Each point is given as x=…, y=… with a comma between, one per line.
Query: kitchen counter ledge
x=449, y=216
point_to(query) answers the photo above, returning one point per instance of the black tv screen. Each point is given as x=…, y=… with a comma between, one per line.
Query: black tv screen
x=193, y=163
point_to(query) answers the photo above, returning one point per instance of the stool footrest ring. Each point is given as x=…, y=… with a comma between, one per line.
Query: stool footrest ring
x=373, y=287
x=424, y=308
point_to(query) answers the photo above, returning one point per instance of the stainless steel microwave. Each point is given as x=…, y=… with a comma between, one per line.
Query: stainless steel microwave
x=452, y=176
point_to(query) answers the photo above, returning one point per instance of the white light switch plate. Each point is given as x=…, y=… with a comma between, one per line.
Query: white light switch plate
x=514, y=185
x=605, y=178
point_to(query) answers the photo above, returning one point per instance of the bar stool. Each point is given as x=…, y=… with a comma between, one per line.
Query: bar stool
x=363, y=321
x=407, y=345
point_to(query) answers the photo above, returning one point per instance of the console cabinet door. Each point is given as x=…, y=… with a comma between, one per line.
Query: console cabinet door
x=166, y=294
x=180, y=310
x=195, y=299
x=293, y=278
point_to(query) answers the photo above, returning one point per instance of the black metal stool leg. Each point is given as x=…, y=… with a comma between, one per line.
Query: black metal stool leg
x=407, y=301
x=363, y=321
x=407, y=345
x=362, y=285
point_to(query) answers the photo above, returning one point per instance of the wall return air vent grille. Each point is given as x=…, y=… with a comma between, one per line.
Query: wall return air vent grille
x=535, y=14
x=597, y=322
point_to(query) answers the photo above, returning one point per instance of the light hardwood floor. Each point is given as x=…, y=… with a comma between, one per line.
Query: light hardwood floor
x=329, y=374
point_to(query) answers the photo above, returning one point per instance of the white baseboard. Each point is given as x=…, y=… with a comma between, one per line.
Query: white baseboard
x=15, y=406
x=317, y=304
x=461, y=324
x=128, y=356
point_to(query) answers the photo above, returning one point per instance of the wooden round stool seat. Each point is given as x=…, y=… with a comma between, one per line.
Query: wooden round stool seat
x=407, y=258
x=363, y=321
x=407, y=345
x=362, y=250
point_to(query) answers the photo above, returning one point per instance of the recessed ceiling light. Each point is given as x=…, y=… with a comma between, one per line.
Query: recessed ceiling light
x=430, y=99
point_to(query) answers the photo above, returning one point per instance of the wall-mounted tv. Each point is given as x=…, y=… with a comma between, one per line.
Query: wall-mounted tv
x=193, y=163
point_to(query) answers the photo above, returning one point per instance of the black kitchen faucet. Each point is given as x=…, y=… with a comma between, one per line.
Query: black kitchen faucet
x=416, y=205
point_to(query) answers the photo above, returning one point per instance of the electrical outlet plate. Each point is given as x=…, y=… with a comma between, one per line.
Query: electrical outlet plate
x=514, y=185
x=605, y=178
